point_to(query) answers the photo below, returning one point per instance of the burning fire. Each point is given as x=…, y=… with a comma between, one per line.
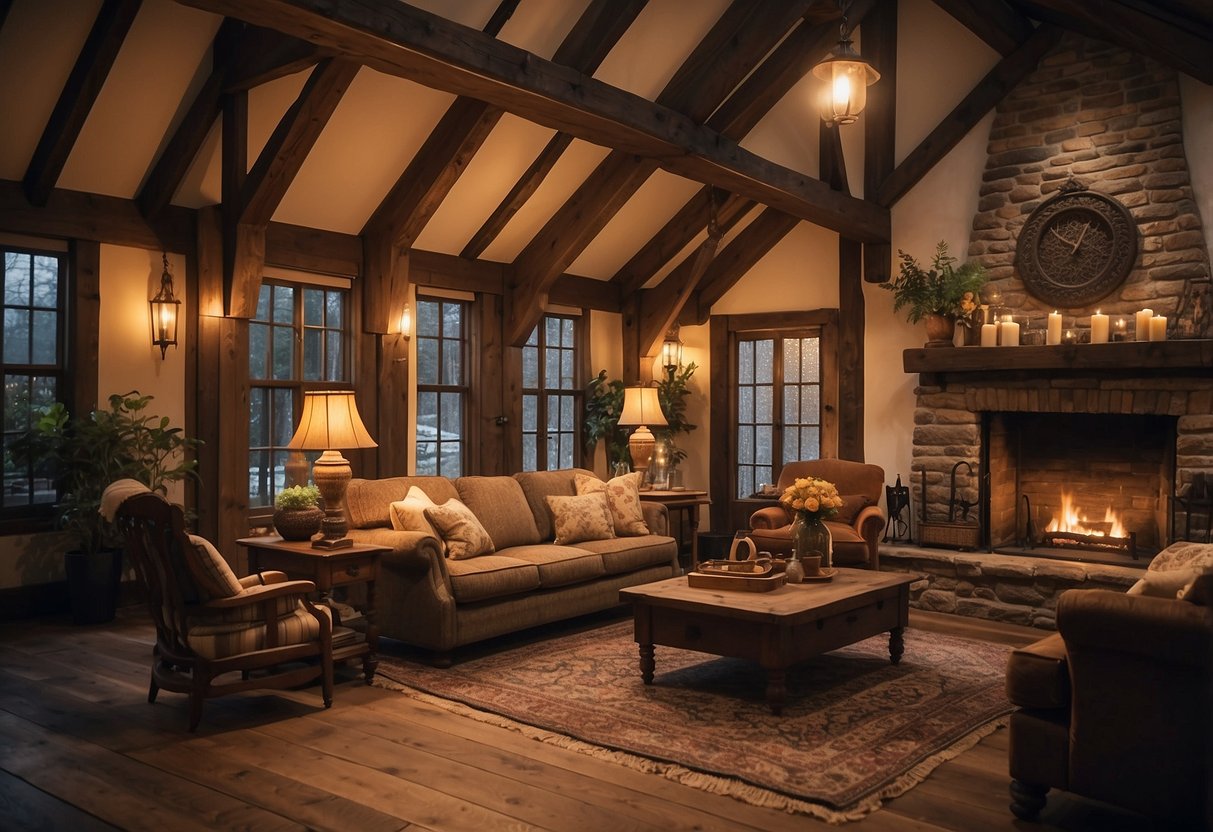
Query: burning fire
x=1074, y=523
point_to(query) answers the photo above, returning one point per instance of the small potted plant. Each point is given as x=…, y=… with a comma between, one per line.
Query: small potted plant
x=297, y=514
x=936, y=295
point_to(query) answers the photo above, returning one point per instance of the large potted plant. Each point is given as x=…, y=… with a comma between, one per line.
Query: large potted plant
x=87, y=453
x=603, y=405
x=936, y=295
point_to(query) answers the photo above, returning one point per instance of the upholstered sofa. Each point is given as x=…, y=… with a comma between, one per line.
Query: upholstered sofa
x=430, y=600
x=1118, y=706
x=857, y=528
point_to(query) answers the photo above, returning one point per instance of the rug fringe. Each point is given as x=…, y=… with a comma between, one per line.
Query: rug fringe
x=715, y=784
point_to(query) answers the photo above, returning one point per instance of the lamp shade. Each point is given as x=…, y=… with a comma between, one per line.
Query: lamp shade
x=330, y=420
x=845, y=91
x=641, y=407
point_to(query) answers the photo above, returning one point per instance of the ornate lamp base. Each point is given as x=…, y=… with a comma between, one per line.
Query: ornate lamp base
x=332, y=474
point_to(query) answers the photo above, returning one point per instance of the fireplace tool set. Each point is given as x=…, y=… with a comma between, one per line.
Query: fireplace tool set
x=958, y=531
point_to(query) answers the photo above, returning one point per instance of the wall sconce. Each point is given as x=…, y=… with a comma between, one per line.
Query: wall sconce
x=164, y=308
x=406, y=321
x=671, y=351
x=847, y=77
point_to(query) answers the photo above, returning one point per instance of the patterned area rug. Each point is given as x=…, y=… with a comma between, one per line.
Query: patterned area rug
x=856, y=729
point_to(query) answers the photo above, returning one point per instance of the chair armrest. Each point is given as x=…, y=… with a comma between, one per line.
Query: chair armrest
x=870, y=522
x=269, y=576
x=656, y=516
x=771, y=517
x=259, y=594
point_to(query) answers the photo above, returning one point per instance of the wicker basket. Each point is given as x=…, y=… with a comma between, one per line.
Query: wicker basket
x=949, y=535
x=298, y=524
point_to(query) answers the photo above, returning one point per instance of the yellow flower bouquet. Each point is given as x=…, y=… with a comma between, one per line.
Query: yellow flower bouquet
x=812, y=498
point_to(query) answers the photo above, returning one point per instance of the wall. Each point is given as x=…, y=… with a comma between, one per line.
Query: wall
x=128, y=361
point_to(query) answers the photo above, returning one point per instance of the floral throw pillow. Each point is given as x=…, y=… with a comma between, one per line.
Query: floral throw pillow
x=623, y=500
x=584, y=517
x=463, y=534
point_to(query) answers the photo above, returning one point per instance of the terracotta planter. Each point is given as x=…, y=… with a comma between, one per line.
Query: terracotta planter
x=940, y=329
x=298, y=524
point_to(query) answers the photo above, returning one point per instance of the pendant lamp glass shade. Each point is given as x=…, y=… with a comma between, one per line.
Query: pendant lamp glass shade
x=164, y=309
x=845, y=80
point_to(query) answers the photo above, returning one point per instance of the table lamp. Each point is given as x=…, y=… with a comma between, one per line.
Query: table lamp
x=641, y=408
x=330, y=422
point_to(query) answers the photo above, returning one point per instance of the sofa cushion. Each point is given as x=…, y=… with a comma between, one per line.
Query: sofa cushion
x=367, y=502
x=852, y=504
x=460, y=530
x=584, y=517
x=560, y=565
x=408, y=515
x=1038, y=675
x=627, y=554
x=1173, y=568
x=537, y=486
x=501, y=507
x=623, y=499
x=491, y=576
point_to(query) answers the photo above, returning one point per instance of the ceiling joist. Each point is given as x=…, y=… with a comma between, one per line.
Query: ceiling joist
x=406, y=41
x=80, y=91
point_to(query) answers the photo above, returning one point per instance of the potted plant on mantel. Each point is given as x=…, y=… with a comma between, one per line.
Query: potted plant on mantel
x=86, y=454
x=935, y=295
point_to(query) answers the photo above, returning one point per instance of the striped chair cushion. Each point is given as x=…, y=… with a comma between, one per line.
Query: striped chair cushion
x=210, y=571
x=230, y=638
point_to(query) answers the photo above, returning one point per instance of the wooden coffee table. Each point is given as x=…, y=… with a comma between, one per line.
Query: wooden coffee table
x=776, y=629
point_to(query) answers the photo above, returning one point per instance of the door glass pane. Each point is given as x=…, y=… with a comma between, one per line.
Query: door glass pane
x=764, y=357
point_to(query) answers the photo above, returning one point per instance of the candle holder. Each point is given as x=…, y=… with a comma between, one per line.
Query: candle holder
x=1069, y=337
x=1120, y=331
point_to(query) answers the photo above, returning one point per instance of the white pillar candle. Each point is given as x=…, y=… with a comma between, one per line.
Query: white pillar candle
x=1141, y=324
x=989, y=335
x=1053, y=336
x=1099, y=328
x=1010, y=334
x=1158, y=328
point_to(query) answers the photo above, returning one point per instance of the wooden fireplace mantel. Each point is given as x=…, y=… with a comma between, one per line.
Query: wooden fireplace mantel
x=1122, y=358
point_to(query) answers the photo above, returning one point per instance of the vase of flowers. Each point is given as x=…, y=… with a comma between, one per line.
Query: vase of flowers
x=812, y=501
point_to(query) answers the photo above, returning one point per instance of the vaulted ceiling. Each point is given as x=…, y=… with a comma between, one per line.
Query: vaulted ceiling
x=593, y=138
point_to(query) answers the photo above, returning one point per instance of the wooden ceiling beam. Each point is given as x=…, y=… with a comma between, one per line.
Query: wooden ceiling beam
x=996, y=22
x=738, y=257
x=76, y=100
x=738, y=41
x=660, y=306
x=411, y=43
x=261, y=55
x=584, y=48
x=879, y=133
x=1188, y=48
x=981, y=99
x=526, y=185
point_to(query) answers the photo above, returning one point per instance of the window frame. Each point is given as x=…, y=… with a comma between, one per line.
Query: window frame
x=298, y=385
x=33, y=516
x=462, y=389
x=543, y=394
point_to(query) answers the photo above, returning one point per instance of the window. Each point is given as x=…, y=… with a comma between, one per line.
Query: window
x=442, y=386
x=778, y=405
x=551, y=396
x=33, y=347
x=298, y=340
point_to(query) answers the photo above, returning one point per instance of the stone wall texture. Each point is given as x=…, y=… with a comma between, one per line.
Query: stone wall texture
x=1110, y=118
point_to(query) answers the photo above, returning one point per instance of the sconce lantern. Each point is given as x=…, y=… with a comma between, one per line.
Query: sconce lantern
x=671, y=351
x=847, y=77
x=406, y=321
x=164, y=309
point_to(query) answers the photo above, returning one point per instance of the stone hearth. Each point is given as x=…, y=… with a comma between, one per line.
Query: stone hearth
x=1009, y=588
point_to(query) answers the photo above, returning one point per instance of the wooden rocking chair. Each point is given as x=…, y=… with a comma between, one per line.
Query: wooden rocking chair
x=216, y=634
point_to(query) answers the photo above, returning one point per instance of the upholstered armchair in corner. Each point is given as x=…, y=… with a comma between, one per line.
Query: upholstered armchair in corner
x=857, y=528
x=1118, y=706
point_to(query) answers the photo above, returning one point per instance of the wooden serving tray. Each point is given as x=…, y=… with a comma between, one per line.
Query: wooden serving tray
x=737, y=582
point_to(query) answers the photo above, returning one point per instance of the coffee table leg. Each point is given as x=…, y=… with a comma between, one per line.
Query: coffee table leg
x=897, y=644
x=777, y=689
x=647, y=663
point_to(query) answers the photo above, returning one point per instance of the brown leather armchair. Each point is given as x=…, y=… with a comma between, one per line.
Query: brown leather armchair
x=857, y=528
x=1117, y=706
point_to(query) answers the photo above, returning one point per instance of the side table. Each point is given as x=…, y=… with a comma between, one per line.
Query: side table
x=687, y=502
x=327, y=568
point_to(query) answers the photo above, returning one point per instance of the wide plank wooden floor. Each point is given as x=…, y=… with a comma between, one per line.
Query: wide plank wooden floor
x=80, y=749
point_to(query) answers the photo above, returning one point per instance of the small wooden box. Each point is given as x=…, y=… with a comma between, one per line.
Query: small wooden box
x=737, y=582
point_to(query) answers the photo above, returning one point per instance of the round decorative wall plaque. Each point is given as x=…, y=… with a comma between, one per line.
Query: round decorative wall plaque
x=1076, y=248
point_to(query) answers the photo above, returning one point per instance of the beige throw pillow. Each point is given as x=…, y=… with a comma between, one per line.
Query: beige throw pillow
x=585, y=517
x=623, y=500
x=408, y=515
x=459, y=528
